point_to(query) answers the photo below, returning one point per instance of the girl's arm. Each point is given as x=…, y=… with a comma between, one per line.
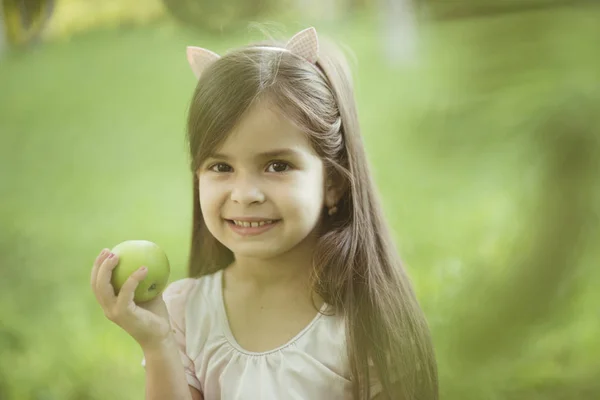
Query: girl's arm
x=196, y=395
x=165, y=375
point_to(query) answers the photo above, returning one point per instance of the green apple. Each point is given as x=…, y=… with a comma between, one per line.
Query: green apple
x=134, y=254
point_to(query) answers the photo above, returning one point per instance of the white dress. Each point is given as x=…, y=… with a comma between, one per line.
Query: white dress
x=313, y=365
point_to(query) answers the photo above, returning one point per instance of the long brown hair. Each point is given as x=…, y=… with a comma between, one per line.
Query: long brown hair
x=356, y=267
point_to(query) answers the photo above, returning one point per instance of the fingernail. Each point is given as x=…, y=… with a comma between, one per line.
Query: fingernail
x=143, y=269
x=111, y=255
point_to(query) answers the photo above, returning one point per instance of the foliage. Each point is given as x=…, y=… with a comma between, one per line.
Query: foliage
x=77, y=16
x=219, y=16
x=453, y=9
x=24, y=20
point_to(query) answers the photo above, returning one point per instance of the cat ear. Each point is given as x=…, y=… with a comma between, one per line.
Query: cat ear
x=200, y=58
x=305, y=44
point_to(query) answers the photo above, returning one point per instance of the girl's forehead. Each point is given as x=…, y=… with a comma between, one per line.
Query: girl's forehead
x=265, y=128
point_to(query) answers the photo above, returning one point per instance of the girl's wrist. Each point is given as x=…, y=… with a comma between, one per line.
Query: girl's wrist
x=159, y=347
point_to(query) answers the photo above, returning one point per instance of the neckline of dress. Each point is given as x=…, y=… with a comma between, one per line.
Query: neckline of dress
x=229, y=334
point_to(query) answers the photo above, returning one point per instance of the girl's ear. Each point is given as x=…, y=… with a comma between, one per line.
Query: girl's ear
x=333, y=192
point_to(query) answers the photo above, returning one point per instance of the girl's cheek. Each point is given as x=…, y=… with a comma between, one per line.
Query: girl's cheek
x=213, y=193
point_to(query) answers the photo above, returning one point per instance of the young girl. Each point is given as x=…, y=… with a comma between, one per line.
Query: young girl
x=295, y=288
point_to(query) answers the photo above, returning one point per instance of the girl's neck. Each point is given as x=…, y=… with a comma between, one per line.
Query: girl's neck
x=268, y=273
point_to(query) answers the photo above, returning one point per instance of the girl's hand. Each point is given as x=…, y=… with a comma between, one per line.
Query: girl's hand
x=148, y=322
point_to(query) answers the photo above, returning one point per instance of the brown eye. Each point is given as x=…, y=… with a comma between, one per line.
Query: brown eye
x=278, y=166
x=220, y=167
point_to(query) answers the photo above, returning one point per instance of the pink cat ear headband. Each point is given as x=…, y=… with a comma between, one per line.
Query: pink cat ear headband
x=304, y=44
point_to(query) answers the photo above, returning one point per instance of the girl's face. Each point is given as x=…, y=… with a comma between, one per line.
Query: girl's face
x=266, y=170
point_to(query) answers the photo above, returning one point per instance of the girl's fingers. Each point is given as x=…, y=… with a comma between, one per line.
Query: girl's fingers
x=103, y=254
x=104, y=290
x=127, y=292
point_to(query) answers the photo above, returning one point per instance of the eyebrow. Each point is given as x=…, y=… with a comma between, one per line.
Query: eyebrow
x=266, y=154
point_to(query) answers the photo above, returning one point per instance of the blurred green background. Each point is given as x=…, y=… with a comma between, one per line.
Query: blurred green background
x=481, y=122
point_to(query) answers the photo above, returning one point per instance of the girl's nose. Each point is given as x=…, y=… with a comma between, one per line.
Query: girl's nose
x=245, y=191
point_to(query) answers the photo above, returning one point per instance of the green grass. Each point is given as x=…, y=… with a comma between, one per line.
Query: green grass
x=92, y=153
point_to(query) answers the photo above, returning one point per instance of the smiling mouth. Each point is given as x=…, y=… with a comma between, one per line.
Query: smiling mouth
x=253, y=224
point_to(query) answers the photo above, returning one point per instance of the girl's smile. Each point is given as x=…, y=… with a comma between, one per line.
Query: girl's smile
x=251, y=226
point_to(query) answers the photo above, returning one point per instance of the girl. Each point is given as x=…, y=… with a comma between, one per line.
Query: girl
x=295, y=289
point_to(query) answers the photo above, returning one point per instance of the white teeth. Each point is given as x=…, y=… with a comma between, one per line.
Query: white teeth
x=247, y=224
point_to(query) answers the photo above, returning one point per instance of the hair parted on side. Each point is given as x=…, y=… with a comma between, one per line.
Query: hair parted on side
x=356, y=267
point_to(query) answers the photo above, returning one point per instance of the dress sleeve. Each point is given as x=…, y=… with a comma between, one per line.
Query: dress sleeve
x=175, y=297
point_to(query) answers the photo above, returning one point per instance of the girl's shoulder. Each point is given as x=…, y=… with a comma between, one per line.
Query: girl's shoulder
x=178, y=292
